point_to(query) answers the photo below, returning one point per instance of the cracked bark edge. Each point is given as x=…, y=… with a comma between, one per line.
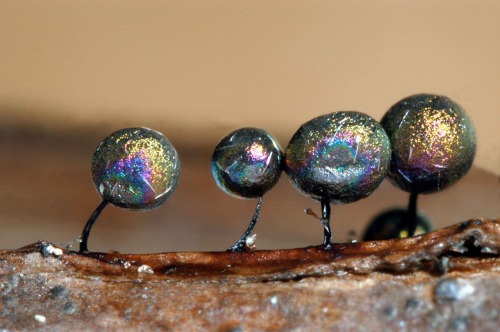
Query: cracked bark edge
x=479, y=238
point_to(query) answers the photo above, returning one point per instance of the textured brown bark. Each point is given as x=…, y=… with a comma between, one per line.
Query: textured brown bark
x=444, y=280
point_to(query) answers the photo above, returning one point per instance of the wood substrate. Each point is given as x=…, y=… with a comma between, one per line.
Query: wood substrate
x=444, y=280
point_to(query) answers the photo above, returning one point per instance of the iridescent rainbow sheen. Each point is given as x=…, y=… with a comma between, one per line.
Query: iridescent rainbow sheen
x=135, y=168
x=247, y=163
x=341, y=156
x=433, y=143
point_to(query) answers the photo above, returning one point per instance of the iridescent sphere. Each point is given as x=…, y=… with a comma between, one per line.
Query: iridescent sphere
x=341, y=156
x=247, y=163
x=135, y=168
x=433, y=143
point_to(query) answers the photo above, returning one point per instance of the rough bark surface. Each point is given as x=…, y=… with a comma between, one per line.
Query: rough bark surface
x=445, y=280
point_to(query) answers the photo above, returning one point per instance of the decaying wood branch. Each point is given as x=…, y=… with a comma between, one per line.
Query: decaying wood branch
x=445, y=280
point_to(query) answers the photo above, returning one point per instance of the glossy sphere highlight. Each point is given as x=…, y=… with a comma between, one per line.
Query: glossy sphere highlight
x=135, y=168
x=247, y=163
x=341, y=156
x=433, y=143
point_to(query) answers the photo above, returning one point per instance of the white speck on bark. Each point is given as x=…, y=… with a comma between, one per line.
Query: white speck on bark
x=145, y=269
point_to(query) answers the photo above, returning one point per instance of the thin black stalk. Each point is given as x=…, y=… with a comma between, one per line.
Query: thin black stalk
x=411, y=216
x=88, y=226
x=240, y=246
x=325, y=221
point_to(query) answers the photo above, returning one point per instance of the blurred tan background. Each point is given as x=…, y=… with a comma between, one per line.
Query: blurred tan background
x=73, y=71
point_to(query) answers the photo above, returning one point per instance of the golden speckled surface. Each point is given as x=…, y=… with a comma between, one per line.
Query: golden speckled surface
x=433, y=142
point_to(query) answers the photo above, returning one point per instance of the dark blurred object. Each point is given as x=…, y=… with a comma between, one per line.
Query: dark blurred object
x=393, y=224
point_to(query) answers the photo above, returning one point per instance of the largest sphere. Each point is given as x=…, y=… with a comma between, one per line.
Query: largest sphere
x=341, y=156
x=433, y=143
